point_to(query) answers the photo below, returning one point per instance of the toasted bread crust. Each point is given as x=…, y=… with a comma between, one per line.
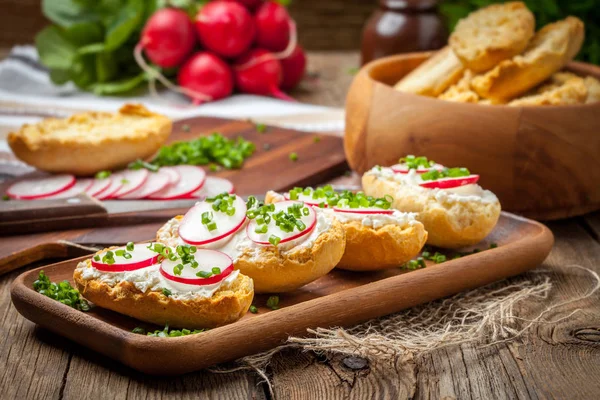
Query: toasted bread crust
x=435, y=75
x=461, y=91
x=449, y=225
x=492, y=34
x=563, y=89
x=549, y=51
x=390, y=246
x=228, y=303
x=86, y=143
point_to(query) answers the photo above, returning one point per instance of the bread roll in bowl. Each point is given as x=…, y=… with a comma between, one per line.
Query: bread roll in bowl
x=449, y=223
x=228, y=304
x=370, y=249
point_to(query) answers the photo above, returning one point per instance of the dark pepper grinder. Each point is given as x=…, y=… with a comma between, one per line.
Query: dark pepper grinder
x=402, y=26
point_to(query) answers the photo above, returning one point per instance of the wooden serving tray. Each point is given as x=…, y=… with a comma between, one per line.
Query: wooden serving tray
x=341, y=298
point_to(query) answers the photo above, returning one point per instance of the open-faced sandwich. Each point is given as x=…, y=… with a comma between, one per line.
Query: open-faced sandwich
x=377, y=236
x=182, y=286
x=455, y=211
x=280, y=246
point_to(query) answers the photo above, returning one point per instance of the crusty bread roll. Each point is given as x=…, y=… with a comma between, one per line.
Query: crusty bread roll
x=461, y=91
x=278, y=269
x=228, y=304
x=390, y=246
x=90, y=142
x=450, y=223
x=593, y=88
x=550, y=49
x=492, y=34
x=563, y=89
x=435, y=75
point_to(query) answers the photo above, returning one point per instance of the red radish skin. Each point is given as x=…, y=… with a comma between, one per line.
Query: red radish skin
x=199, y=281
x=168, y=37
x=272, y=26
x=449, y=183
x=262, y=78
x=293, y=67
x=38, y=188
x=207, y=74
x=225, y=28
x=249, y=4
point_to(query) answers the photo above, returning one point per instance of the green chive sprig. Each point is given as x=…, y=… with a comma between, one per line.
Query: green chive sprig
x=62, y=292
x=413, y=162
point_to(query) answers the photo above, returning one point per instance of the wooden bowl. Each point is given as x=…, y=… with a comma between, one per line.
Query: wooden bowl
x=542, y=162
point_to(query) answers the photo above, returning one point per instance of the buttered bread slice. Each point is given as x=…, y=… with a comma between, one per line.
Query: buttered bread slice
x=86, y=143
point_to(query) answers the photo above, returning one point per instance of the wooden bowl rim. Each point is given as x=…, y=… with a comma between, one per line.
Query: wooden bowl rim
x=573, y=66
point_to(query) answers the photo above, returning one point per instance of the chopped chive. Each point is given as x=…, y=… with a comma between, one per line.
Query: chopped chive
x=211, y=226
x=274, y=240
x=166, y=292
x=273, y=302
x=139, y=330
x=103, y=174
x=96, y=257
x=130, y=246
x=493, y=245
x=293, y=156
x=316, y=139
x=216, y=270
x=260, y=128
x=5, y=197
x=253, y=309
x=203, y=274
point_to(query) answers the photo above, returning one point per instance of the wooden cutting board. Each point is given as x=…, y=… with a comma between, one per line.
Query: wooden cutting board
x=341, y=298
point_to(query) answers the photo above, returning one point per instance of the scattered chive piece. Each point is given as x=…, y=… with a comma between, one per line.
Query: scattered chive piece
x=139, y=330
x=216, y=270
x=103, y=174
x=293, y=156
x=96, y=257
x=177, y=269
x=273, y=302
x=435, y=174
x=493, y=245
x=139, y=164
x=166, y=332
x=203, y=274
x=124, y=181
x=127, y=256
x=185, y=127
x=5, y=197
x=413, y=162
x=214, y=168
x=260, y=128
x=253, y=309
x=274, y=240
x=62, y=292
x=317, y=139
x=166, y=292
x=130, y=246
x=211, y=226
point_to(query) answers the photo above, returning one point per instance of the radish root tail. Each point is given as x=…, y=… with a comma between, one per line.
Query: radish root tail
x=155, y=75
x=278, y=56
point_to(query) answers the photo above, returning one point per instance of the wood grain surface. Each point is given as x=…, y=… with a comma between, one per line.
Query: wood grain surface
x=37, y=364
x=541, y=161
x=341, y=298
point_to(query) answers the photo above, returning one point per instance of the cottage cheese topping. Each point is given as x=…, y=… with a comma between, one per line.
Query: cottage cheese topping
x=376, y=221
x=149, y=279
x=410, y=185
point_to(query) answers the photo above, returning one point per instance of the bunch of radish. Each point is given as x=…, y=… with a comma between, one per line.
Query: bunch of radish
x=248, y=45
x=168, y=183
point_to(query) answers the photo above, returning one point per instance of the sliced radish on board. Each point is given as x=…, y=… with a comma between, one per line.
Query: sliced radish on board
x=307, y=199
x=132, y=180
x=214, y=186
x=116, y=179
x=213, y=266
x=309, y=221
x=80, y=186
x=192, y=230
x=192, y=179
x=363, y=210
x=125, y=260
x=448, y=183
x=174, y=176
x=37, y=188
x=98, y=186
x=156, y=181
x=403, y=168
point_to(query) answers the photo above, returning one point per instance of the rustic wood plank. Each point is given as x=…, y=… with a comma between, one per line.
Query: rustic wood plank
x=31, y=366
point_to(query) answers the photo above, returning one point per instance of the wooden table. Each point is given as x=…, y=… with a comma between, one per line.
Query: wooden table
x=551, y=361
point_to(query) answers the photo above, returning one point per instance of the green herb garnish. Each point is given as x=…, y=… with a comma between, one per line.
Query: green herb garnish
x=130, y=246
x=5, y=197
x=293, y=156
x=435, y=174
x=413, y=162
x=103, y=174
x=274, y=240
x=62, y=292
x=214, y=148
x=253, y=309
x=204, y=274
x=166, y=332
x=273, y=302
x=166, y=292
x=260, y=128
x=316, y=139
x=139, y=164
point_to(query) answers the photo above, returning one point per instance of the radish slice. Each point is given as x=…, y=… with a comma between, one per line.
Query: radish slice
x=309, y=220
x=132, y=180
x=79, y=187
x=193, y=231
x=156, y=181
x=141, y=257
x=174, y=176
x=307, y=199
x=207, y=260
x=403, y=169
x=37, y=188
x=214, y=186
x=115, y=185
x=192, y=179
x=98, y=186
x=363, y=210
x=448, y=183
